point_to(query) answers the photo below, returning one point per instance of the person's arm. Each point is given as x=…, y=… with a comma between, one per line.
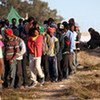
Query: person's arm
x=23, y=48
x=56, y=45
x=72, y=47
x=16, y=53
x=30, y=46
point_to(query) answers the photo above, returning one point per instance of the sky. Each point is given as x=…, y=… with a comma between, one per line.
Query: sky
x=85, y=12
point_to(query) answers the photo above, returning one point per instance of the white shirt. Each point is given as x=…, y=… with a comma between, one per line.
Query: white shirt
x=23, y=50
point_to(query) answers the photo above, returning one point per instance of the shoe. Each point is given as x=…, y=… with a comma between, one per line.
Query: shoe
x=26, y=86
x=73, y=72
x=54, y=80
x=42, y=81
x=22, y=87
x=78, y=49
x=33, y=84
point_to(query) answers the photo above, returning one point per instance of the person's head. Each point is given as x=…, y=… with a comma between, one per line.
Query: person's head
x=35, y=24
x=31, y=20
x=71, y=27
x=60, y=28
x=9, y=33
x=50, y=21
x=20, y=21
x=45, y=22
x=34, y=32
x=14, y=21
x=25, y=21
x=65, y=24
x=76, y=27
x=2, y=24
x=51, y=30
x=90, y=30
x=71, y=21
x=7, y=22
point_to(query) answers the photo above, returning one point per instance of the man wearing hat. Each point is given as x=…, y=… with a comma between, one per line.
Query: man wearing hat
x=10, y=54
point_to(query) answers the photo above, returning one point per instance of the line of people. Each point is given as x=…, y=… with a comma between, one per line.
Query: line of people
x=50, y=51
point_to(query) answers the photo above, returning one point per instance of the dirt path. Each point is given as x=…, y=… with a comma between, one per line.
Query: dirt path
x=85, y=84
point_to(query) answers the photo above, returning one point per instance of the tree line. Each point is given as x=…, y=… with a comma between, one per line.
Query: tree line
x=39, y=10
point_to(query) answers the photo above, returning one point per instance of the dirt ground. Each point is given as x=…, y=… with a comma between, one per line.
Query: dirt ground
x=83, y=85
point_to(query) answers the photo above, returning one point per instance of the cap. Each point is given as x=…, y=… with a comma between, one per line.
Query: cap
x=9, y=32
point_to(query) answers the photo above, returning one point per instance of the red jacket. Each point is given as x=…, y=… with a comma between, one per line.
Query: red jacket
x=35, y=46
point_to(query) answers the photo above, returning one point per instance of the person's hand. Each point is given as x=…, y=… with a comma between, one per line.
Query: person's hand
x=77, y=42
x=11, y=61
x=0, y=36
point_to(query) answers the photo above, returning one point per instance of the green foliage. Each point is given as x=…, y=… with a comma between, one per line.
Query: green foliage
x=38, y=10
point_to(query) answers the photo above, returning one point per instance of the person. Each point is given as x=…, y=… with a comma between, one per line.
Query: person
x=94, y=42
x=65, y=50
x=70, y=34
x=28, y=25
x=21, y=29
x=11, y=52
x=35, y=42
x=51, y=21
x=59, y=35
x=77, y=37
x=71, y=21
x=53, y=50
x=7, y=24
x=46, y=45
x=24, y=61
x=14, y=27
x=1, y=62
x=2, y=28
x=19, y=71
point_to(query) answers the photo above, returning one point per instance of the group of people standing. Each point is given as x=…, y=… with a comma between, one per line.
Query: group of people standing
x=50, y=51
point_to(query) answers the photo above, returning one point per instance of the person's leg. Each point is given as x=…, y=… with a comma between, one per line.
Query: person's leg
x=38, y=67
x=32, y=68
x=19, y=73
x=12, y=73
x=45, y=65
x=59, y=69
x=1, y=67
x=0, y=84
x=1, y=73
x=24, y=70
x=73, y=69
x=50, y=66
x=55, y=69
x=6, y=73
x=65, y=66
x=75, y=58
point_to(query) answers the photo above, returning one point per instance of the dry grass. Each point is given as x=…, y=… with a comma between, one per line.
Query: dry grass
x=89, y=57
x=85, y=34
x=84, y=85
